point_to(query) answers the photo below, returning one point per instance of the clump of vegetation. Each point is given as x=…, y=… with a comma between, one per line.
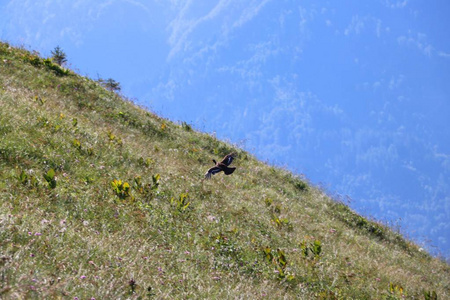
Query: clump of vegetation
x=110, y=84
x=50, y=177
x=105, y=200
x=181, y=203
x=278, y=259
x=121, y=189
x=311, y=250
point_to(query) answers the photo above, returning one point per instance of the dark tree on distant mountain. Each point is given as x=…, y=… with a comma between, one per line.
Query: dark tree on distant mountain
x=59, y=56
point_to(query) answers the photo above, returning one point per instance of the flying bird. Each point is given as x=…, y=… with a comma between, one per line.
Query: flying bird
x=221, y=166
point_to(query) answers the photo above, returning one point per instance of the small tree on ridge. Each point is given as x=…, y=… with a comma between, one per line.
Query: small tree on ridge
x=59, y=56
x=110, y=84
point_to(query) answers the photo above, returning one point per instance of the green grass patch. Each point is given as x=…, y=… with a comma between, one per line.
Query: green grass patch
x=102, y=199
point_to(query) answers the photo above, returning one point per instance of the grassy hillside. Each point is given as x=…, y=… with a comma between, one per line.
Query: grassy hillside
x=102, y=199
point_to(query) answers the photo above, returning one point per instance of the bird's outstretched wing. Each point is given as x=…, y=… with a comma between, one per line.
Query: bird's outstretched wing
x=227, y=160
x=228, y=170
x=212, y=171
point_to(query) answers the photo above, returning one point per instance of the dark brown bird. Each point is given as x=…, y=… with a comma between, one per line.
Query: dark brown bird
x=221, y=166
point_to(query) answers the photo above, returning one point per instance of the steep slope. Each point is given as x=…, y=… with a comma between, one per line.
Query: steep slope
x=102, y=199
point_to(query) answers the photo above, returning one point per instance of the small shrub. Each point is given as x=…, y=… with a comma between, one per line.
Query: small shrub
x=268, y=254
x=311, y=250
x=182, y=203
x=55, y=68
x=23, y=177
x=27, y=180
x=146, y=162
x=90, y=151
x=110, y=84
x=113, y=138
x=280, y=222
x=146, y=189
x=300, y=185
x=275, y=215
x=430, y=295
x=138, y=184
x=268, y=201
x=129, y=119
x=39, y=100
x=396, y=291
x=121, y=189
x=50, y=178
x=33, y=60
x=279, y=260
x=186, y=126
x=155, y=179
x=77, y=144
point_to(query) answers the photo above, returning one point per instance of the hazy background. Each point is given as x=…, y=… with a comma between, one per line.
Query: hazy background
x=353, y=94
